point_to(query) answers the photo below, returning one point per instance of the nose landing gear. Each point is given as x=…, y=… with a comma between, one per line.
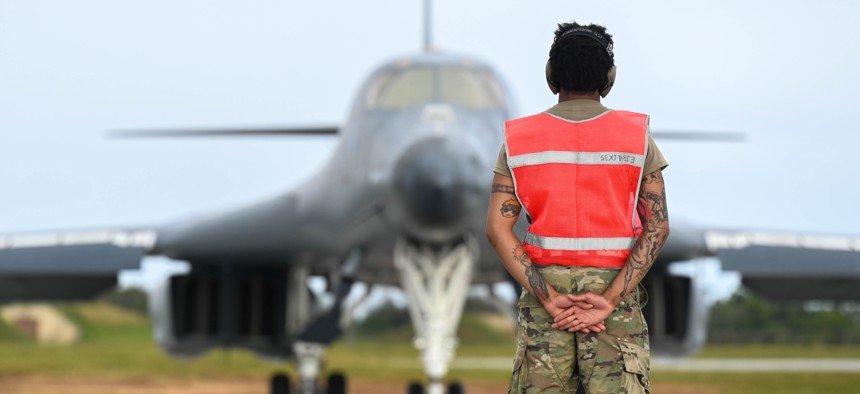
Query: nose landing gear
x=436, y=281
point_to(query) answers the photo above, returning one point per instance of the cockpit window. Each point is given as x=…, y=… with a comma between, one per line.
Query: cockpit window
x=406, y=87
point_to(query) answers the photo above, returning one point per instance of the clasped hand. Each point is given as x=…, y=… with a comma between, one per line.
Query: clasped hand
x=585, y=312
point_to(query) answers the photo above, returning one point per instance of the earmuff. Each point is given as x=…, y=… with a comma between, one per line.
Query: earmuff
x=585, y=32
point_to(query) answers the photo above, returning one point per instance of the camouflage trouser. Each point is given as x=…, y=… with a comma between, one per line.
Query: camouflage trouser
x=553, y=361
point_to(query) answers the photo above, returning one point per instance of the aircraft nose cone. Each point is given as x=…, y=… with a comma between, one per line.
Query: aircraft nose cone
x=428, y=182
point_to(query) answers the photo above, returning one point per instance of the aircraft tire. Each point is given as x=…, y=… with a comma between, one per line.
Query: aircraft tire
x=455, y=388
x=336, y=384
x=280, y=384
x=415, y=388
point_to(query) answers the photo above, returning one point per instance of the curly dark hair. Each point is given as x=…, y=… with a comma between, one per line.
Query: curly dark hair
x=579, y=63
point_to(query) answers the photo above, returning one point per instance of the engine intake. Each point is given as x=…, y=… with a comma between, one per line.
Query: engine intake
x=229, y=306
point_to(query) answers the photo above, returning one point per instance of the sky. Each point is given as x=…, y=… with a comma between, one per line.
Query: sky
x=782, y=72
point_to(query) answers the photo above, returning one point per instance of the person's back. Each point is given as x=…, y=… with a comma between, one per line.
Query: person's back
x=590, y=180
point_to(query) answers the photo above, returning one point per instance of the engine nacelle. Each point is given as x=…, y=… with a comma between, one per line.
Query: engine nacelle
x=258, y=308
x=676, y=313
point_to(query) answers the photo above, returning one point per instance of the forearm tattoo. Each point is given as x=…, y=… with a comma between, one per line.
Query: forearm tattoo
x=510, y=208
x=536, y=281
x=653, y=213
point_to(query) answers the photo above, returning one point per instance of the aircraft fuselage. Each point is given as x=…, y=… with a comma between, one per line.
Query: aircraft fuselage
x=414, y=159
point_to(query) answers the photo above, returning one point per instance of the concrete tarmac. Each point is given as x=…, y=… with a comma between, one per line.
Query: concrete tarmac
x=851, y=365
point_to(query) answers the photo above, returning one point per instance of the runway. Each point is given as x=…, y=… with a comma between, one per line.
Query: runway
x=142, y=385
x=751, y=365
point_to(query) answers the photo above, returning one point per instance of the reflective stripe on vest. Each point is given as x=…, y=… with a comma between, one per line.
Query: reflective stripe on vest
x=530, y=159
x=579, y=182
x=579, y=243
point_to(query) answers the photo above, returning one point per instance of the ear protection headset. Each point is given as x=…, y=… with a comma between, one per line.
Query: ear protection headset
x=586, y=32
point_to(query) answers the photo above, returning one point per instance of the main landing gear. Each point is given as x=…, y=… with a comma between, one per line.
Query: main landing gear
x=436, y=280
x=453, y=388
x=314, y=335
x=335, y=384
x=310, y=358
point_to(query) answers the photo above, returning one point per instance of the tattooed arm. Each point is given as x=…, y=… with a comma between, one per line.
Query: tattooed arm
x=655, y=217
x=502, y=214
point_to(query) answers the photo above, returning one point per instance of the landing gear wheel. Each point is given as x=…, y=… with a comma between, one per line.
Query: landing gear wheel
x=280, y=384
x=415, y=388
x=455, y=388
x=336, y=384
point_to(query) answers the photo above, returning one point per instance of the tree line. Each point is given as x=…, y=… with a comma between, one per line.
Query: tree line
x=748, y=318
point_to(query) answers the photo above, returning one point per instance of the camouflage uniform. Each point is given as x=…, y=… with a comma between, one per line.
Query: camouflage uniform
x=554, y=361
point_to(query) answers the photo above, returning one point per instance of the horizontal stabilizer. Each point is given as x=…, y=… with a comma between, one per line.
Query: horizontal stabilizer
x=225, y=132
x=786, y=266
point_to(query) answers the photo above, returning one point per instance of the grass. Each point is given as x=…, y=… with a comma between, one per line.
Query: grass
x=10, y=334
x=759, y=383
x=119, y=344
x=780, y=351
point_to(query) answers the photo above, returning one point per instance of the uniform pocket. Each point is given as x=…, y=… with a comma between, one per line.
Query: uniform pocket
x=636, y=369
x=562, y=353
x=518, y=379
x=526, y=301
x=520, y=355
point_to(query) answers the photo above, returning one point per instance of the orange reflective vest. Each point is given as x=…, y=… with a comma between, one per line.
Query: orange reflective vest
x=579, y=182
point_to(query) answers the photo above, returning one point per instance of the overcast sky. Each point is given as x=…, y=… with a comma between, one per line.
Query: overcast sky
x=784, y=72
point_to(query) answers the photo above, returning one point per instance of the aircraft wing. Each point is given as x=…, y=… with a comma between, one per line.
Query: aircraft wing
x=68, y=265
x=786, y=266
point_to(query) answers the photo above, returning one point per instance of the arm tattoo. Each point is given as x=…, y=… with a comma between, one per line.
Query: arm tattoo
x=499, y=188
x=510, y=208
x=652, y=210
x=656, y=176
x=536, y=281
